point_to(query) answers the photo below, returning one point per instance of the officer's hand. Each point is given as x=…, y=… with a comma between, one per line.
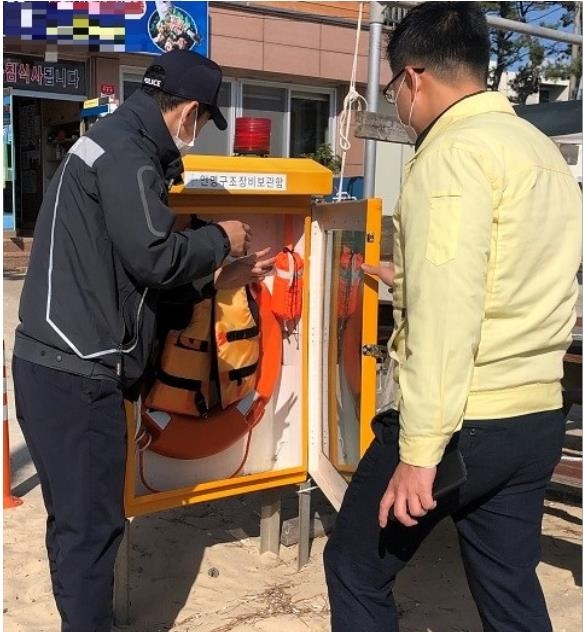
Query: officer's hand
x=385, y=271
x=240, y=272
x=239, y=236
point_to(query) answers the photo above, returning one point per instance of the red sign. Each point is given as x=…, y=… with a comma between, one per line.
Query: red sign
x=107, y=89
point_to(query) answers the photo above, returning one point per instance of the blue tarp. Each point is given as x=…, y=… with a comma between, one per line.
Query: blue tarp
x=352, y=187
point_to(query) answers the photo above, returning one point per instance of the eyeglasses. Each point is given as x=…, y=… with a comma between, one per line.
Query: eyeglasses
x=387, y=92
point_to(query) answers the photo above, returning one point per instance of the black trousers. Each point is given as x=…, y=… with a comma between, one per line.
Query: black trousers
x=497, y=513
x=75, y=430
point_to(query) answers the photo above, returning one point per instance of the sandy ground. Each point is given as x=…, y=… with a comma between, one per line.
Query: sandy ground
x=199, y=568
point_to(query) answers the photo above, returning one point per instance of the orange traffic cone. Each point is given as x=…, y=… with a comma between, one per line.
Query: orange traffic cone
x=9, y=500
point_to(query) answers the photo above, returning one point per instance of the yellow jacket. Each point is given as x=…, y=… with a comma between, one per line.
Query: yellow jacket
x=487, y=245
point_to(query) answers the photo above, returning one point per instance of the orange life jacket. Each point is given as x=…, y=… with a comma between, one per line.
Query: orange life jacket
x=237, y=338
x=182, y=435
x=224, y=333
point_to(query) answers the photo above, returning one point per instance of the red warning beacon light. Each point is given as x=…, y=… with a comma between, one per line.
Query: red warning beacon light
x=252, y=136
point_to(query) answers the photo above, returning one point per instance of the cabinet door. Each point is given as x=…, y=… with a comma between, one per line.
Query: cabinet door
x=343, y=326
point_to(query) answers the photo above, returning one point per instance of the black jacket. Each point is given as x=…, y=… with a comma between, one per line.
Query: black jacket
x=103, y=249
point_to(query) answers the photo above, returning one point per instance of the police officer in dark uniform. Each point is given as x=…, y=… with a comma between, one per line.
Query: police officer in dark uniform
x=103, y=250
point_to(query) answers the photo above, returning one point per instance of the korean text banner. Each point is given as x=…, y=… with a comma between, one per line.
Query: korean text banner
x=123, y=27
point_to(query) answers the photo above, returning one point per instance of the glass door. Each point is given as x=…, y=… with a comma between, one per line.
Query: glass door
x=343, y=330
x=9, y=169
x=29, y=185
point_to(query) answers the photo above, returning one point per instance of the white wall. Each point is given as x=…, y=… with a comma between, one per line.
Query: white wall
x=391, y=157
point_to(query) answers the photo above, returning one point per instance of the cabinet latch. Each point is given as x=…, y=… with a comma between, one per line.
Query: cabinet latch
x=377, y=351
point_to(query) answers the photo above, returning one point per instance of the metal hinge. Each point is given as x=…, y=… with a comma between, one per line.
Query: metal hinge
x=377, y=351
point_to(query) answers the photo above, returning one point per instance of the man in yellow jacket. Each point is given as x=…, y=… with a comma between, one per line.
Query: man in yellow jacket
x=487, y=248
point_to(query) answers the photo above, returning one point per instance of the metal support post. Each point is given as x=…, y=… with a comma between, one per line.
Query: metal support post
x=375, y=30
x=304, y=496
x=270, y=521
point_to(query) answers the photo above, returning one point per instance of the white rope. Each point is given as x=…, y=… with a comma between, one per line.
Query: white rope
x=353, y=97
x=141, y=433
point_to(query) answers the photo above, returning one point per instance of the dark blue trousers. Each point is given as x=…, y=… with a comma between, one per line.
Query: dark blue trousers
x=75, y=430
x=497, y=513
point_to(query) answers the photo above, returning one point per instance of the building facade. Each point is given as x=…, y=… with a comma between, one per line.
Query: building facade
x=550, y=90
x=290, y=62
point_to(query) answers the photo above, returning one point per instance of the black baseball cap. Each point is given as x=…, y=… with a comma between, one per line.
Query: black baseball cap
x=186, y=74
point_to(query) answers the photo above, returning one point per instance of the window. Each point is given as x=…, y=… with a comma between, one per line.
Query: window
x=130, y=80
x=309, y=122
x=130, y=86
x=268, y=102
x=213, y=141
x=302, y=117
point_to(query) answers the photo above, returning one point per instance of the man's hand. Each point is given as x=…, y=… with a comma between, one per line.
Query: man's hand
x=385, y=271
x=239, y=236
x=409, y=493
x=246, y=270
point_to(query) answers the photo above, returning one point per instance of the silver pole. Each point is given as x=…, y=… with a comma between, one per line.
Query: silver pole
x=503, y=24
x=375, y=32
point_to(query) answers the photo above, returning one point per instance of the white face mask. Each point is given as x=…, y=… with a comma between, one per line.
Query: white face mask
x=410, y=131
x=181, y=145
